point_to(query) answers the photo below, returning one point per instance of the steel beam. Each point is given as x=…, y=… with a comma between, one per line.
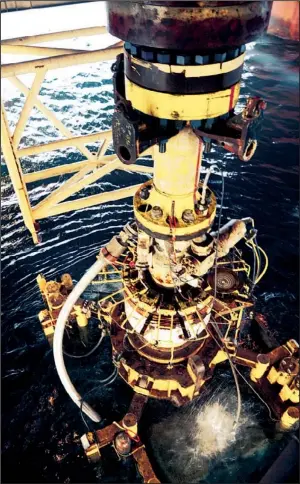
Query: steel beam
x=56, y=122
x=74, y=167
x=66, y=34
x=57, y=62
x=37, y=51
x=91, y=201
x=16, y=176
x=86, y=172
x=65, y=169
x=29, y=104
x=7, y=6
x=73, y=185
x=63, y=143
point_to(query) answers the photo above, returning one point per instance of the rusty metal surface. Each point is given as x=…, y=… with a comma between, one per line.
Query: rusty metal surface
x=144, y=465
x=144, y=367
x=105, y=436
x=284, y=20
x=271, y=394
x=137, y=405
x=278, y=354
x=245, y=357
x=238, y=134
x=210, y=26
x=137, y=342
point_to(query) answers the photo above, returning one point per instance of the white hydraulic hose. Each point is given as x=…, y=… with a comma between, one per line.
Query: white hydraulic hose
x=73, y=297
x=205, y=183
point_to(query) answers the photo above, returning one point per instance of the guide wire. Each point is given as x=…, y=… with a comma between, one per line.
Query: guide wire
x=101, y=383
x=89, y=352
x=214, y=324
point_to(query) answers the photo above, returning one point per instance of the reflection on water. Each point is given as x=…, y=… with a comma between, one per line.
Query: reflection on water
x=40, y=440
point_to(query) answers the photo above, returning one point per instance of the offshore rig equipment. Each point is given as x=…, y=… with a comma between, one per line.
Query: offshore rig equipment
x=181, y=291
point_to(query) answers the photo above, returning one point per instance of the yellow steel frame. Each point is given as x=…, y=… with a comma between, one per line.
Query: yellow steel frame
x=93, y=167
x=7, y=6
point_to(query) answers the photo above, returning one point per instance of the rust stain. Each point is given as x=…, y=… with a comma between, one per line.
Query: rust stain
x=175, y=115
x=284, y=20
x=186, y=28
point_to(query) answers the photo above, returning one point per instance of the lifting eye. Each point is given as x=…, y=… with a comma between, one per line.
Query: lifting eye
x=125, y=154
x=250, y=150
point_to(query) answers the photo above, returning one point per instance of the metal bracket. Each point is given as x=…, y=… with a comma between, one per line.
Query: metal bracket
x=238, y=133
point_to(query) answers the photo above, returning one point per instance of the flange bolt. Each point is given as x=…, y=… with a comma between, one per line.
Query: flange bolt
x=156, y=212
x=144, y=193
x=188, y=216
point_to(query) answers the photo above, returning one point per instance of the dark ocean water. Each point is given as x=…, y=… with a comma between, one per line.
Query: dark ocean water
x=40, y=442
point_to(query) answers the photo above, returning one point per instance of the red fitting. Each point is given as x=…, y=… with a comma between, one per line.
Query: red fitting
x=107, y=255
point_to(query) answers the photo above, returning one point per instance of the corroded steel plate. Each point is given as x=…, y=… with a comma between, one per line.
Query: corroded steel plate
x=188, y=26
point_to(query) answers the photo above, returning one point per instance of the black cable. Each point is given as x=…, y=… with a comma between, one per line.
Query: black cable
x=254, y=271
x=258, y=254
x=89, y=352
x=245, y=380
x=214, y=324
x=101, y=383
x=82, y=416
x=258, y=395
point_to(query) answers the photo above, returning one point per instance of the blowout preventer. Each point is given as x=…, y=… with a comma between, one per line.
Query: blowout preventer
x=185, y=285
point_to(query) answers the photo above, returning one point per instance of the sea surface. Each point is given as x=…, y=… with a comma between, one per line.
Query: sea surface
x=40, y=434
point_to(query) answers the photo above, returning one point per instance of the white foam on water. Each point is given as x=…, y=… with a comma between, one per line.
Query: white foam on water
x=214, y=429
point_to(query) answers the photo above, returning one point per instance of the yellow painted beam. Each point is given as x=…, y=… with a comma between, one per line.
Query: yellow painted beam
x=60, y=61
x=66, y=34
x=65, y=169
x=61, y=192
x=92, y=200
x=102, y=149
x=63, y=143
x=98, y=164
x=49, y=114
x=73, y=185
x=9, y=5
x=37, y=51
x=29, y=104
x=74, y=167
x=137, y=168
x=76, y=183
x=15, y=173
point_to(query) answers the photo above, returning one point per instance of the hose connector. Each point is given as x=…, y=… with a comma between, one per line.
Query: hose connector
x=115, y=247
